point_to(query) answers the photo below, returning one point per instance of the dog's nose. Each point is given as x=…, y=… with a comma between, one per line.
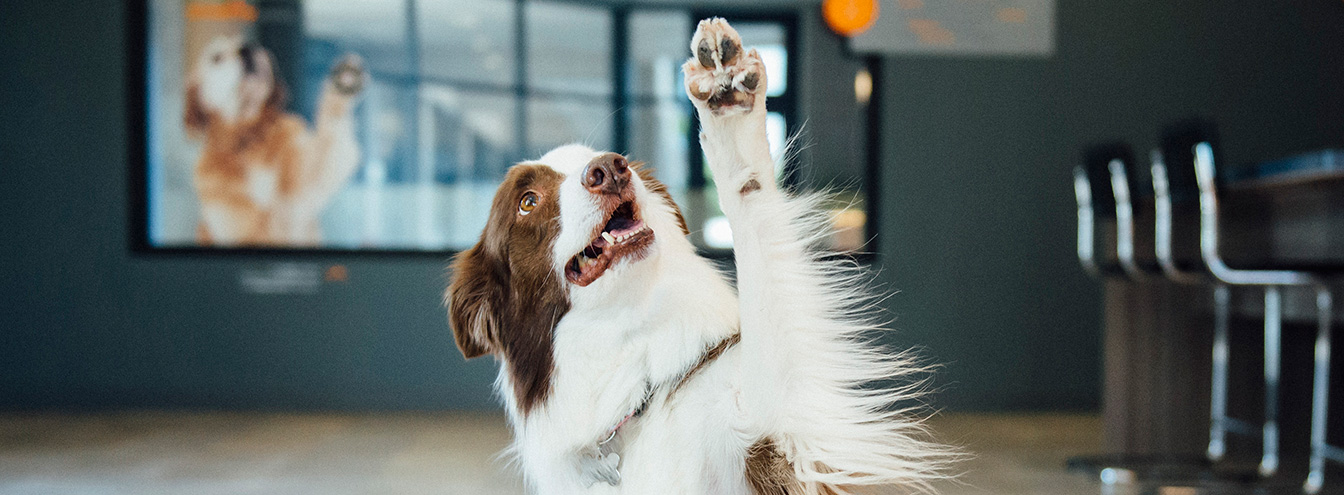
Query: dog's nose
x=245, y=54
x=607, y=174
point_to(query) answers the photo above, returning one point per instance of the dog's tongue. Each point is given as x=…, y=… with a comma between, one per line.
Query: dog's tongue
x=620, y=225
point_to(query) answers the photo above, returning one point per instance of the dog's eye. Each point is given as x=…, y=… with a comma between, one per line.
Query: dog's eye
x=527, y=204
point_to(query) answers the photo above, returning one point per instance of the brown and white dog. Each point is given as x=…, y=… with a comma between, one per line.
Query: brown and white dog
x=263, y=178
x=630, y=365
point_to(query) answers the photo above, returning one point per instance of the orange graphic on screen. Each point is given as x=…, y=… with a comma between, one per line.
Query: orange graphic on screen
x=232, y=10
x=337, y=273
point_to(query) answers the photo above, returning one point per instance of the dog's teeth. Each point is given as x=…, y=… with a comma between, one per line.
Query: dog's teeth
x=608, y=237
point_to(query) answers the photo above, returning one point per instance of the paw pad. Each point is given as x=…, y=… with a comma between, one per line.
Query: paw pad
x=348, y=75
x=720, y=76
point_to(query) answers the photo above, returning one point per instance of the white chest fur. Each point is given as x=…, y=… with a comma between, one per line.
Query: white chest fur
x=263, y=185
x=607, y=357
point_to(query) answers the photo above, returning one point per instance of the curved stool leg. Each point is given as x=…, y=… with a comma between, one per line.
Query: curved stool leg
x=1320, y=397
x=1218, y=394
x=1269, y=459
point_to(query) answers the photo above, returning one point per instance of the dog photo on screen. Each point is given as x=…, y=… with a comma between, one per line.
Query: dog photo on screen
x=264, y=177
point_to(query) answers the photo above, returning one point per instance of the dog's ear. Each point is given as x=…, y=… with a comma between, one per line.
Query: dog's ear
x=195, y=117
x=476, y=299
x=657, y=187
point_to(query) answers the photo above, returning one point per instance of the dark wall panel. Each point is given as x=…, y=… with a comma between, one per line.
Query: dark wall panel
x=979, y=211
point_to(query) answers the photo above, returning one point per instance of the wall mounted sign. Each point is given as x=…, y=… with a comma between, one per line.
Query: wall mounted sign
x=282, y=278
x=1015, y=28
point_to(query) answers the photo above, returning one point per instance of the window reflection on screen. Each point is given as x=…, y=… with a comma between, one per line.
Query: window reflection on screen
x=568, y=49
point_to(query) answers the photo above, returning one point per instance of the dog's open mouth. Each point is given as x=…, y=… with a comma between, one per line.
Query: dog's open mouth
x=623, y=236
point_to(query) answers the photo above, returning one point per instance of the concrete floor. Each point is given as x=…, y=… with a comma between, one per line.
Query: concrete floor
x=430, y=453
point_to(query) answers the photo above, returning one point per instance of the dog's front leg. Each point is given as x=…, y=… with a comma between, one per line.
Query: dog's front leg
x=803, y=358
x=727, y=87
x=334, y=152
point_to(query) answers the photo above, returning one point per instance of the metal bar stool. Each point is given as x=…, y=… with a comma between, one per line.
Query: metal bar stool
x=1273, y=280
x=1093, y=199
x=1122, y=167
x=1113, y=165
x=1082, y=192
x=1094, y=188
x=1178, y=144
x=1321, y=451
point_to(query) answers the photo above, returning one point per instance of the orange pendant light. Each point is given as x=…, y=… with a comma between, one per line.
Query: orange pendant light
x=849, y=17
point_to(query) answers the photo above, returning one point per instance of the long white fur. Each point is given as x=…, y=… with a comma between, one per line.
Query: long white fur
x=806, y=328
x=802, y=375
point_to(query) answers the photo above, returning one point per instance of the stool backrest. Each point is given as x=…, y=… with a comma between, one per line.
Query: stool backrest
x=1139, y=174
x=1174, y=181
x=1178, y=151
x=1097, y=166
x=1093, y=187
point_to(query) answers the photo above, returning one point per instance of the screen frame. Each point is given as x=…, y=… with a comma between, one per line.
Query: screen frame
x=137, y=25
x=137, y=129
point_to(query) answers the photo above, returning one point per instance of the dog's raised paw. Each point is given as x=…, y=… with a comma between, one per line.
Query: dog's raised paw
x=348, y=75
x=720, y=76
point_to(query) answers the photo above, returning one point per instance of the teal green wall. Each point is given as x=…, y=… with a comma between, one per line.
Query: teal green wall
x=976, y=233
x=86, y=324
x=978, y=215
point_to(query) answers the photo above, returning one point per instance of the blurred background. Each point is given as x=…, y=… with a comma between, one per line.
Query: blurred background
x=130, y=369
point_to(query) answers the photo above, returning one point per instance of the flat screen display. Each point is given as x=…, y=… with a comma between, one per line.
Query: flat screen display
x=386, y=125
x=313, y=125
